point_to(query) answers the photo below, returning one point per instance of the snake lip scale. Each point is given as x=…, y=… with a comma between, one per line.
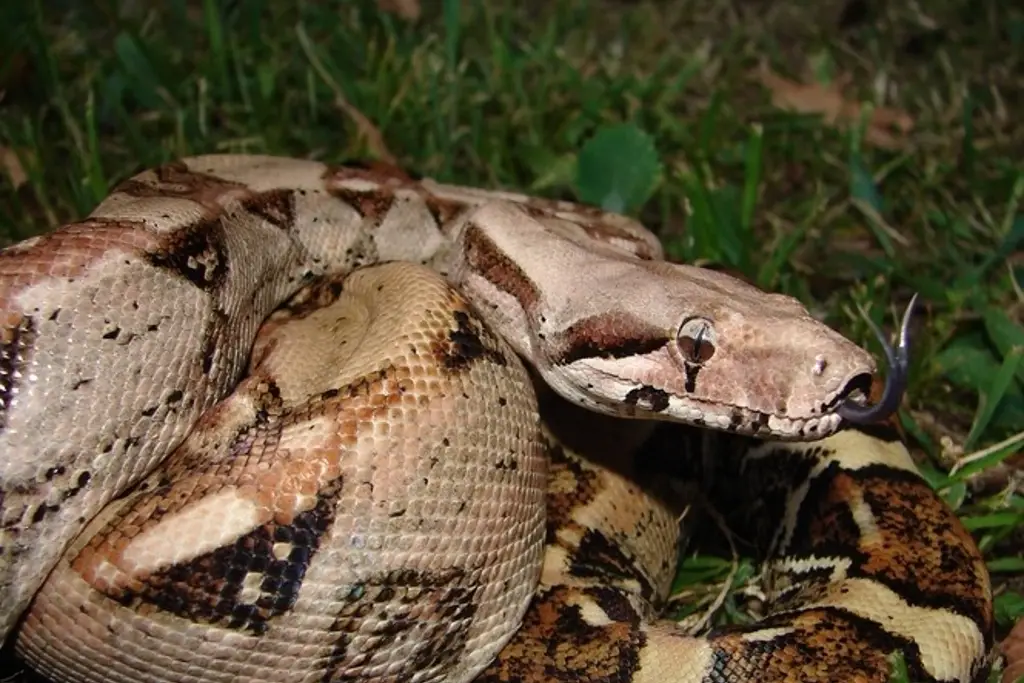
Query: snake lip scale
x=272, y=420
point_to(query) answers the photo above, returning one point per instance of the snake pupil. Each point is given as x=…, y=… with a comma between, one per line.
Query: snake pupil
x=697, y=340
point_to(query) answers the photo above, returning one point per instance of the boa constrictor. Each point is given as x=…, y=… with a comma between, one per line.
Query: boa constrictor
x=369, y=502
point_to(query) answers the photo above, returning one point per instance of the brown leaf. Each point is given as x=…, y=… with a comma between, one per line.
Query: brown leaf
x=12, y=167
x=838, y=112
x=367, y=131
x=405, y=9
x=1013, y=648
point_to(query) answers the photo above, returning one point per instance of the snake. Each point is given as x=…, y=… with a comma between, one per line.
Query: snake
x=273, y=419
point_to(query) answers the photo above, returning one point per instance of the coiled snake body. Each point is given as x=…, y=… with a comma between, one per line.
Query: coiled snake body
x=378, y=499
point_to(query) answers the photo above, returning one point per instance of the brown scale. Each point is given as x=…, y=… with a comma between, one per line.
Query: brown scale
x=176, y=179
x=277, y=207
x=308, y=496
x=594, y=627
x=614, y=539
x=493, y=266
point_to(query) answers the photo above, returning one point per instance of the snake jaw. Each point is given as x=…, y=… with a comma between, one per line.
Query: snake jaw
x=898, y=359
x=640, y=394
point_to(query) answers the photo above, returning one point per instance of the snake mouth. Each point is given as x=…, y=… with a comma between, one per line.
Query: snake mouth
x=857, y=390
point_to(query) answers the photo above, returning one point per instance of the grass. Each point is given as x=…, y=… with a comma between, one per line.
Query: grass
x=649, y=106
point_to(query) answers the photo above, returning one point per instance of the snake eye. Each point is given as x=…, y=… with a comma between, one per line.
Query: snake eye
x=696, y=340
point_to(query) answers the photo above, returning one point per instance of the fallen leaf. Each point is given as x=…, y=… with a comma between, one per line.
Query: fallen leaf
x=837, y=111
x=405, y=9
x=366, y=130
x=1013, y=648
x=11, y=165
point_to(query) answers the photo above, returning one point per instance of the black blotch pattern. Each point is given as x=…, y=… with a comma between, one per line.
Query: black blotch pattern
x=585, y=347
x=560, y=506
x=62, y=495
x=555, y=642
x=199, y=254
x=439, y=605
x=690, y=370
x=208, y=589
x=372, y=206
x=277, y=207
x=847, y=646
x=890, y=492
x=651, y=398
x=883, y=431
x=599, y=557
x=14, y=345
x=467, y=343
x=614, y=604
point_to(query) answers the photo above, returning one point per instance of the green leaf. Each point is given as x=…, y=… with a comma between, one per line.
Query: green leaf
x=996, y=520
x=715, y=224
x=768, y=276
x=954, y=494
x=866, y=196
x=554, y=172
x=1012, y=565
x=618, y=169
x=993, y=395
x=899, y=672
x=141, y=76
x=728, y=223
x=1013, y=241
x=215, y=34
x=700, y=225
x=967, y=146
x=751, y=177
x=935, y=477
x=967, y=362
x=694, y=570
x=862, y=185
x=1009, y=607
x=1005, y=333
x=918, y=433
x=992, y=459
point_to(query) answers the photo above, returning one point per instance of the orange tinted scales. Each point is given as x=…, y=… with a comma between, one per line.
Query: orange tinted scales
x=815, y=646
x=570, y=486
x=69, y=253
x=242, y=585
x=246, y=474
x=897, y=531
x=561, y=641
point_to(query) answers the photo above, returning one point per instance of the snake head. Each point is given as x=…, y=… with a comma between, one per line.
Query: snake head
x=611, y=327
x=700, y=347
